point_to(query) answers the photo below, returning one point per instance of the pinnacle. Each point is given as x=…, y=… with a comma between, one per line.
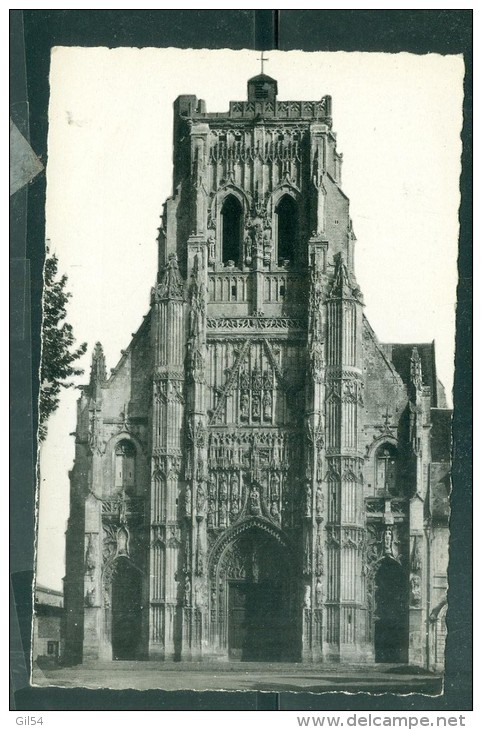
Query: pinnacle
x=171, y=284
x=416, y=367
x=344, y=284
x=98, y=373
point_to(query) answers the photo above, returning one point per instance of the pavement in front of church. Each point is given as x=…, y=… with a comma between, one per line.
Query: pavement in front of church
x=373, y=679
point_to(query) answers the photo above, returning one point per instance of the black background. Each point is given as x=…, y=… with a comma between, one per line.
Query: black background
x=32, y=35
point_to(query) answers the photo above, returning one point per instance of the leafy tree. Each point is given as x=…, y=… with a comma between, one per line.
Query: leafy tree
x=58, y=354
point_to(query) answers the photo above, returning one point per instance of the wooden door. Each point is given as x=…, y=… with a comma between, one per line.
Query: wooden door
x=237, y=628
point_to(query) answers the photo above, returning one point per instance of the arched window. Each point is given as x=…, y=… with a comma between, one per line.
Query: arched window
x=125, y=463
x=287, y=227
x=386, y=469
x=232, y=224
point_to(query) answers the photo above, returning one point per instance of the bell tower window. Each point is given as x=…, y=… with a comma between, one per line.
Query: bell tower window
x=125, y=458
x=260, y=90
x=232, y=222
x=287, y=228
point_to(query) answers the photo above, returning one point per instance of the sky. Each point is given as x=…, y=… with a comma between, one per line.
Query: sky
x=397, y=118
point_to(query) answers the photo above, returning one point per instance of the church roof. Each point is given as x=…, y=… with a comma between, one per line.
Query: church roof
x=262, y=88
x=441, y=434
x=262, y=77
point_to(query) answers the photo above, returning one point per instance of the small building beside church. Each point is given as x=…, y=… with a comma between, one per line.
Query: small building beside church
x=47, y=627
x=259, y=478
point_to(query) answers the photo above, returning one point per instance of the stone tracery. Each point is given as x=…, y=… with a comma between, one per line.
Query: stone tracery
x=257, y=398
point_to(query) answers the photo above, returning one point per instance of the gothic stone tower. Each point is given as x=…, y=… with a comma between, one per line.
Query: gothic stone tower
x=259, y=478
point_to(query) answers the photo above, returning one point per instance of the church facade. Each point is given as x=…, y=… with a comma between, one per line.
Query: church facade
x=259, y=478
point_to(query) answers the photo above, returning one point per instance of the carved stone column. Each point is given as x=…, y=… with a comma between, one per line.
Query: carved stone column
x=314, y=497
x=345, y=610
x=194, y=631
x=168, y=305
x=419, y=434
x=92, y=580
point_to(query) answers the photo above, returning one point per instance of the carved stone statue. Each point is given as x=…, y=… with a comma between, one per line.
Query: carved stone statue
x=254, y=501
x=247, y=249
x=319, y=501
x=257, y=232
x=415, y=590
x=187, y=501
x=235, y=486
x=308, y=500
x=244, y=405
x=267, y=405
x=275, y=482
x=317, y=359
x=319, y=554
x=122, y=541
x=90, y=559
x=244, y=381
x=388, y=540
x=199, y=596
x=267, y=247
x=223, y=488
x=211, y=249
x=307, y=597
x=416, y=559
x=256, y=406
x=319, y=470
x=187, y=591
x=198, y=305
x=123, y=509
x=200, y=499
x=319, y=592
x=90, y=597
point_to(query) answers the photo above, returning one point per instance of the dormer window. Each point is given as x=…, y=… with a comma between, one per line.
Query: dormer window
x=125, y=460
x=386, y=469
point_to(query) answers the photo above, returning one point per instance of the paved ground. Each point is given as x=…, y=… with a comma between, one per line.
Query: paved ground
x=377, y=678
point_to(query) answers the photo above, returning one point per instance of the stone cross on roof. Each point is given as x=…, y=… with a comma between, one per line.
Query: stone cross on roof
x=263, y=61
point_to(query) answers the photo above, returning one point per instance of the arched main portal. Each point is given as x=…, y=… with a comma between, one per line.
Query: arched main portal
x=391, y=615
x=253, y=600
x=126, y=610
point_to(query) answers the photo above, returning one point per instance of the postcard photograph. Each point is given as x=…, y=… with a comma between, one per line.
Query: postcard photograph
x=247, y=485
